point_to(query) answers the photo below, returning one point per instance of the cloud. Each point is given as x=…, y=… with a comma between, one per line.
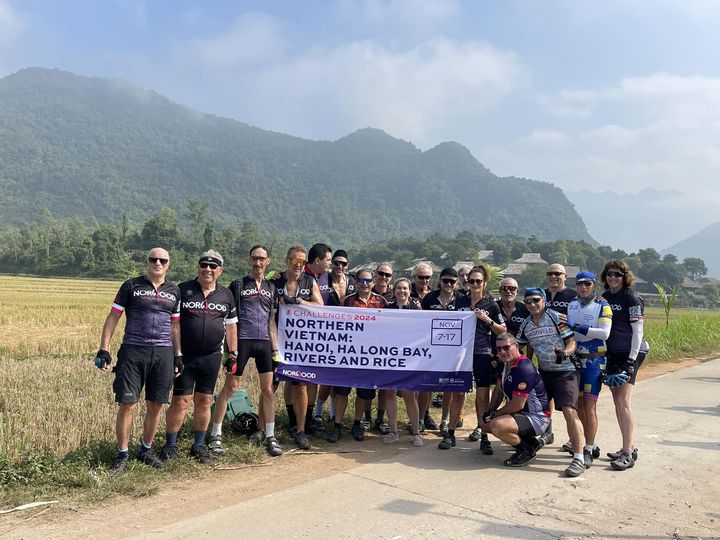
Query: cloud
x=401, y=16
x=253, y=38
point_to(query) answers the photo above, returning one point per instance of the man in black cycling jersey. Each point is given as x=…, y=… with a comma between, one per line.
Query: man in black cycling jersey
x=318, y=266
x=207, y=309
x=150, y=355
x=296, y=287
x=256, y=298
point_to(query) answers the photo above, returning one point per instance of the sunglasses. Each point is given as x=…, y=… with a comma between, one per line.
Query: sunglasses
x=475, y=281
x=384, y=274
x=554, y=274
x=446, y=281
x=615, y=274
x=258, y=258
x=340, y=264
x=532, y=301
x=508, y=288
x=504, y=348
x=584, y=283
x=155, y=260
x=363, y=280
x=210, y=265
x=296, y=261
x=423, y=278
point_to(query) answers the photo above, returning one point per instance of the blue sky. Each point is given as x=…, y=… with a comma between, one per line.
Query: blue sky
x=610, y=95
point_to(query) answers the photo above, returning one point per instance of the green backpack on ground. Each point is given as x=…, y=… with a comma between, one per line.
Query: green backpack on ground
x=241, y=413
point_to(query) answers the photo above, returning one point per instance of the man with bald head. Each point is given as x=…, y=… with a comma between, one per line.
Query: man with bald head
x=150, y=355
x=558, y=295
x=514, y=312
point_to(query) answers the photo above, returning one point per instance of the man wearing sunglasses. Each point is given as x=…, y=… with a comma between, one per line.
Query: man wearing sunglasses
x=557, y=294
x=383, y=277
x=544, y=333
x=525, y=414
x=341, y=283
x=590, y=317
x=207, y=310
x=256, y=299
x=514, y=312
x=296, y=287
x=150, y=355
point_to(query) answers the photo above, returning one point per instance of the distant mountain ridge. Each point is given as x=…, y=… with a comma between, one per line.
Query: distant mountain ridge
x=98, y=149
x=705, y=245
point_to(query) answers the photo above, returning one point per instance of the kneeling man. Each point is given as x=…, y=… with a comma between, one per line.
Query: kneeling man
x=525, y=414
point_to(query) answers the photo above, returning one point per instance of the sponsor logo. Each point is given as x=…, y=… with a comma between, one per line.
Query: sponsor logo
x=202, y=305
x=616, y=307
x=161, y=294
x=252, y=292
x=298, y=373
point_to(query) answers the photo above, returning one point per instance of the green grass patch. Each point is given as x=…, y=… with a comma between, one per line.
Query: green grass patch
x=691, y=333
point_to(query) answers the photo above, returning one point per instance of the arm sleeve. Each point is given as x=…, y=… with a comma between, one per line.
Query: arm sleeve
x=122, y=298
x=638, y=332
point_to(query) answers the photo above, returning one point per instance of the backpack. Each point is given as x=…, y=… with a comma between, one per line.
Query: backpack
x=241, y=413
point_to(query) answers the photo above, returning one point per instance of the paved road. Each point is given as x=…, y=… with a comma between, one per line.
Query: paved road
x=459, y=493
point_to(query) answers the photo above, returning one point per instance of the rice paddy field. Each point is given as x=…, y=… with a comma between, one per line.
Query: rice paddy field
x=55, y=403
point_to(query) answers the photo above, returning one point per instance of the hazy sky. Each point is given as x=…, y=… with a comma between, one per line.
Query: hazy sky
x=611, y=94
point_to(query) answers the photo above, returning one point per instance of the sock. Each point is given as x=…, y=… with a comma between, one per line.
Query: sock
x=338, y=426
x=170, y=439
x=269, y=429
x=589, y=447
x=123, y=452
x=483, y=435
x=549, y=428
x=380, y=416
x=144, y=447
x=216, y=429
x=579, y=456
x=446, y=417
x=319, y=404
x=356, y=423
x=451, y=432
x=518, y=447
x=292, y=419
x=308, y=418
x=368, y=415
x=426, y=414
x=594, y=446
x=200, y=437
x=332, y=408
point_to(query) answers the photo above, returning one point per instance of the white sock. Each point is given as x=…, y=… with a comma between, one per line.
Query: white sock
x=216, y=429
x=580, y=457
x=319, y=404
x=589, y=447
x=269, y=429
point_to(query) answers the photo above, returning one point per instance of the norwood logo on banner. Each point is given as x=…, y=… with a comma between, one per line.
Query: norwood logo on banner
x=397, y=349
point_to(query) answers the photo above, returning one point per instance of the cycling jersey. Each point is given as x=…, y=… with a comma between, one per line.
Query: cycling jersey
x=483, y=333
x=254, y=307
x=323, y=281
x=203, y=318
x=560, y=301
x=374, y=301
x=432, y=301
x=387, y=295
x=627, y=307
x=304, y=286
x=550, y=333
x=593, y=314
x=522, y=379
x=412, y=303
x=149, y=311
x=516, y=318
x=334, y=298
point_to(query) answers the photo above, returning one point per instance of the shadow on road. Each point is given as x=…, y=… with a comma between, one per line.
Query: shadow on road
x=695, y=410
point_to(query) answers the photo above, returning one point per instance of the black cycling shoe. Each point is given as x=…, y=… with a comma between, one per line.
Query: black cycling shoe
x=149, y=458
x=520, y=458
x=168, y=452
x=447, y=442
x=119, y=465
x=485, y=446
x=334, y=435
x=430, y=423
x=273, y=447
x=301, y=439
x=201, y=453
x=358, y=432
x=614, y=455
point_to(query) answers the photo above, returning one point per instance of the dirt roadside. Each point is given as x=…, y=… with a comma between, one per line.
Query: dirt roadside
x=182, y=500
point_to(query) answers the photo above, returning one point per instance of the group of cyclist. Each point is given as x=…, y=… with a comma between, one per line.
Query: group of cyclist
x=557, y=345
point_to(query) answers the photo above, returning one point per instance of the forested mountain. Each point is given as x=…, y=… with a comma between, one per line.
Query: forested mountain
x=101, y=149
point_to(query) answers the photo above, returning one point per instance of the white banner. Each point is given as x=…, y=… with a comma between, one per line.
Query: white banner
x=397, y=349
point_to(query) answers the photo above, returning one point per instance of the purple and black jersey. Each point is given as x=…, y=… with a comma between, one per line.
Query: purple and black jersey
x=627, y=307
x=561, y=300
x=432, y=301
x=516, y=318
x=304, y=286
x=203, y=318
x=254, y=306
x=149, y=311
x=483, y=333
x=523, y=379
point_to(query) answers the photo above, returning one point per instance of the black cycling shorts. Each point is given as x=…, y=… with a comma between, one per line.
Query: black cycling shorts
x=562, y=387
x=260, y=350
x=615, y=362
x=484, y=373
x=149, y=367
x=200, y=374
